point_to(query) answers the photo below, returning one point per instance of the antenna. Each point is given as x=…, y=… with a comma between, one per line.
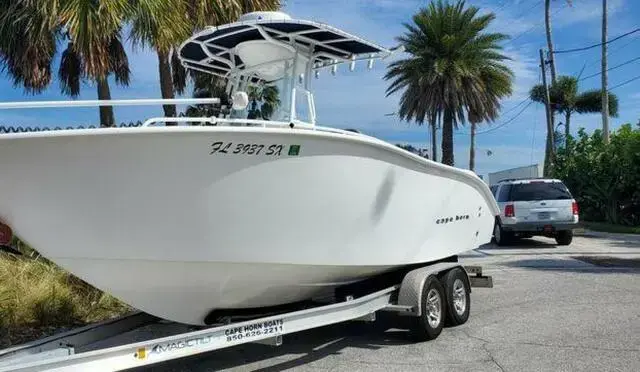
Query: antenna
x=352, y=65
x=334, y=68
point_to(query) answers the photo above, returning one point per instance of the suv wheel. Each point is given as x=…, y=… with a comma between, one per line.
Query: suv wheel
x=564, y=237
x=500, y=236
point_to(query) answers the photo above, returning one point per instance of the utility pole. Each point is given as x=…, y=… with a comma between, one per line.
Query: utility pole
x=549, y=153
x=605, y=91
x=547, y=21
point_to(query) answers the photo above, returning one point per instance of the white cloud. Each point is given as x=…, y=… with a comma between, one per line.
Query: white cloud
x=526, y=71
x=635, y=96
x=585, y=10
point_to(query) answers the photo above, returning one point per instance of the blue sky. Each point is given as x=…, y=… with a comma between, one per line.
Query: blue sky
x=357, y=99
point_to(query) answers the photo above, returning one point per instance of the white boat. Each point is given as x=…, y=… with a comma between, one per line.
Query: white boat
x=179, y=221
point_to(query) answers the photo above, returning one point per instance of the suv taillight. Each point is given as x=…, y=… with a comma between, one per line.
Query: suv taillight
x=509, y=211
x=574, y=208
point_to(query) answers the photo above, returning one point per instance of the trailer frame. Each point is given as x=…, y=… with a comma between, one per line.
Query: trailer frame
x=403, y=298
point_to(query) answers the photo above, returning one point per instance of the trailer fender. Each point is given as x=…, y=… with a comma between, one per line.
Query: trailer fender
x=410, y=293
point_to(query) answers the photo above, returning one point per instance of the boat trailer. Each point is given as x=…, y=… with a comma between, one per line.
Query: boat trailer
x=428, y=294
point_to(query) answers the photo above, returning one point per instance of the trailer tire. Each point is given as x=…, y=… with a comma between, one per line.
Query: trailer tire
x=457, y=292
x=428, y=325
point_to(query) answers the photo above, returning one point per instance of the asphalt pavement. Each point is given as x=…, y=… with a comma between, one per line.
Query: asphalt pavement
x=552, y=308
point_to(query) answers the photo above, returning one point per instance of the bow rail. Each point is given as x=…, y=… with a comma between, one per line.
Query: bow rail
x=111, y=102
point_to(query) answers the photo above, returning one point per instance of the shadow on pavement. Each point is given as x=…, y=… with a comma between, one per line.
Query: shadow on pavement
x=579, y=264
x=607, y=261
x=299, y=348
x=521, y=244
x=614, y=240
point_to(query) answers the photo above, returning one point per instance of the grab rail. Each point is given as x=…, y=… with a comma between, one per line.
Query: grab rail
x=107, y=102
x=228, y=122
x=142, y=102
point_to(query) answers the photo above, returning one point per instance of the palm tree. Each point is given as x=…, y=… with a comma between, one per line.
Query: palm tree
x=163, y=25
x=565, y=99
x=443, y=76
x=472, y=145
x=94, y=48
x=207, y=86
x=547, y=22
x=28, y=64
x=486, y=107
x=267, y=99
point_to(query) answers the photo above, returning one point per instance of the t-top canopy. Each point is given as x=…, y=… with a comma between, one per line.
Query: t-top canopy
x=263, y=38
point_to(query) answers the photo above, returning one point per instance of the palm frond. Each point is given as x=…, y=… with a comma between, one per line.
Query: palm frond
x=28, y=63
x=204, y=13
x=159, y=24
x=591, y=102
x=70, y=72
x=91, y=25
x=179, y=74
x=118, y=61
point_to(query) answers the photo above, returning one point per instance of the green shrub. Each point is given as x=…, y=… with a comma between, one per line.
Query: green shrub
x=604, y=178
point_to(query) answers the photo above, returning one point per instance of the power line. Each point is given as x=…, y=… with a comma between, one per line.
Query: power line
x=504, y=113
x=611, y=68
x=625, y=83
x=612, y=52
x=508, y=121
x=595, y=45
x=535, y=25
x=501, y=6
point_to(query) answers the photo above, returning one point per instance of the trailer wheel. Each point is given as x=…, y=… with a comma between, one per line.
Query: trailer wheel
x=457, y=292
x=429, y=324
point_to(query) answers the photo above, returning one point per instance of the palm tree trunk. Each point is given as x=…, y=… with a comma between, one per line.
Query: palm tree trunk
x=166, y=83
x=472, y=148
x=447, y=137
x=547, y=21
x=434, y=140
x=567, y=121
x=106, y=112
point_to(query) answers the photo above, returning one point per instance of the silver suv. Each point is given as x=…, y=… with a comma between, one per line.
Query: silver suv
x=529, y=207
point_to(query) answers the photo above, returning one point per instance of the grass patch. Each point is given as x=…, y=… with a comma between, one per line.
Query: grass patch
x=611, y=228
x=37, y=298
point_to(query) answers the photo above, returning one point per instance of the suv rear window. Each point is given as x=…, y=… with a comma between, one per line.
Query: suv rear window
x=539, y=191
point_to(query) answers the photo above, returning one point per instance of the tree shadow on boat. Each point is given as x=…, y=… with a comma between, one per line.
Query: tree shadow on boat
x=315, y=347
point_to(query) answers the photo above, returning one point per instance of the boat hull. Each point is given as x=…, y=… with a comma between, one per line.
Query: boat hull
x=181, y=221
